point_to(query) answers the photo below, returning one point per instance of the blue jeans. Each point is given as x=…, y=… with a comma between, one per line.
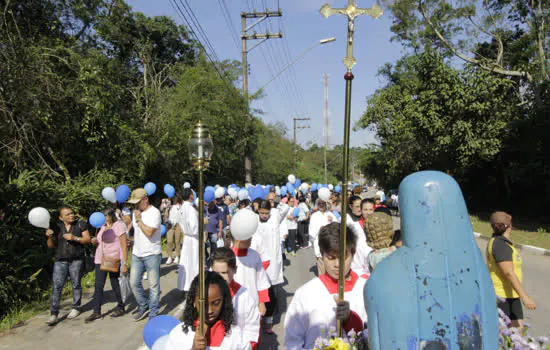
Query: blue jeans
x=151, y=264
x=62, y=270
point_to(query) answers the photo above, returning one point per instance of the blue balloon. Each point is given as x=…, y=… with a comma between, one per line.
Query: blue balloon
x=122, y=193
x=162, y=230
x=297, y=183
x=290, y=188
x=157, y=327
x=169, y=190
x=337, y=214
x=194, y=194
x=209, y=196
x=150, y=188
x=313, y=187
x=260, y=191
x=296, y=212
x=337, y=189
x=210, y=188
x=283, y=191
x=97, y=219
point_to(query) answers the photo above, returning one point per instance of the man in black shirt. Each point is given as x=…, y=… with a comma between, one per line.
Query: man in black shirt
x=68, y=238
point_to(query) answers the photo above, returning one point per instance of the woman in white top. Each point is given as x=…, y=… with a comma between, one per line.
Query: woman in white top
x=219, y=331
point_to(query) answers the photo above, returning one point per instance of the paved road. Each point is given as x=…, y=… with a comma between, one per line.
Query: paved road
x=123, y=333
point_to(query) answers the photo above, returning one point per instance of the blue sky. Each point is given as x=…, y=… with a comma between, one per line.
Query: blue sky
x=299, y=92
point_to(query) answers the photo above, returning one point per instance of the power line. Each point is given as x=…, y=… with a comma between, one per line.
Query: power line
x=227, y=16
x=193, y=33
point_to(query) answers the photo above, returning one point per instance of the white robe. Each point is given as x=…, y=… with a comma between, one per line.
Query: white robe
x=189, y=259
x=178, y=340
x=313, y=310
x=316, y=222
x=270, y=232
x=246, y=313
x=250, y=274
x=359, y=264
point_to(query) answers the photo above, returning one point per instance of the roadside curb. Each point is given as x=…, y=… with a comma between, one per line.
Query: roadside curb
x=177, y=313
x=528, y=248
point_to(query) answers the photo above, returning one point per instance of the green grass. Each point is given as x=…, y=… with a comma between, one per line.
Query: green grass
x=18, y=315
x=538, y=238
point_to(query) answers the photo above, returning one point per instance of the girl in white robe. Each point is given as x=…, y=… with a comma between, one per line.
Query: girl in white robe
x=188, y=265
x=246, y=313
x=220, y=333
x=314, y=308
x=318, y=220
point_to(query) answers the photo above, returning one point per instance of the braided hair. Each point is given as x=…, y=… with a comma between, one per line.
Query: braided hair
x=191, y=314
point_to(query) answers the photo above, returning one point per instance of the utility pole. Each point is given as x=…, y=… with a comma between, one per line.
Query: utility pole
x=295, y=141
x=255, y=36
x=327, y=126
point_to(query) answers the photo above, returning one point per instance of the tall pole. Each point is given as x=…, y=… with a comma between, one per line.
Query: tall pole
x=202, y=309
x=244, y=37
x=247, y=161
x=327, y=126
x=352, y=11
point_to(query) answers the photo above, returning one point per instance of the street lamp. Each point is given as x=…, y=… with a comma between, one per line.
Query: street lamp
x=200, y=152
x=320, y=42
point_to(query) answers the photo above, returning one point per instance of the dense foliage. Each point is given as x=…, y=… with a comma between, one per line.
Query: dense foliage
x=470, y=97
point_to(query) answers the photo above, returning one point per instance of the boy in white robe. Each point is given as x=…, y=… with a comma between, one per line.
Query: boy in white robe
x=270, y=232
x=318, y=220
x=250, y=273
x=245, y=308
x=188, y=265
x=220, y=331
x=315, y=306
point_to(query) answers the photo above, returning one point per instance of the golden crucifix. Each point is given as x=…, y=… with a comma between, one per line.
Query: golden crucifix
x=351, y=12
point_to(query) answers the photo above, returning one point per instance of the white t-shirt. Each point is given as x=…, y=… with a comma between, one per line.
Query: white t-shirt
x=292, y=224
x=143, y=245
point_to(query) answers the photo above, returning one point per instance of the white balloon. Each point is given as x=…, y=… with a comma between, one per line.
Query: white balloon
x=160, y=343
x=330, y=187
x=277, y=190
x=220, y=192
x=233, y=193
x=109, y=194
x=292, y=179
x=243, y=194
x=244, y=224
x=324, y=194
x=304, y=187
x=187, y=185
x=39, y=217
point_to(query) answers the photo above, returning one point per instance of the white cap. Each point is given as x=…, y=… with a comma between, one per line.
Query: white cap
x=187, y=185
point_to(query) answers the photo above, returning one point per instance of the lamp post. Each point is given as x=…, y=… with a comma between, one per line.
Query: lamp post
x=320, y=42
x=200, y=152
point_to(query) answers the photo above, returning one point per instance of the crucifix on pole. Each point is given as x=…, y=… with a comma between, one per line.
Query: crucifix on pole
x=351, y=11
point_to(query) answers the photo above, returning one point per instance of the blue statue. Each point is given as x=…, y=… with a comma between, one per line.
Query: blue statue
x=435, y=291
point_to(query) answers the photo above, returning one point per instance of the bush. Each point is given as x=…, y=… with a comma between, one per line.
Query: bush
x=26, y=264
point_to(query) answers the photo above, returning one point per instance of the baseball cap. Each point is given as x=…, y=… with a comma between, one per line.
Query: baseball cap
x=137, y=195
x=500, y=217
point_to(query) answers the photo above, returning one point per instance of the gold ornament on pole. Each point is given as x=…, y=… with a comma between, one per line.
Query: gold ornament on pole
x=351, y=11
x=200, y=152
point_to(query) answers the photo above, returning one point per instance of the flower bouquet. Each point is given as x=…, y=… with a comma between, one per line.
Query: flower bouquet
x=512, y=338
x=351, y=341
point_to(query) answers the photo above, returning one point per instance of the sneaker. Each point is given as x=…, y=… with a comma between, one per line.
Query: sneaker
x=169, y=260
x=293, y=253
x=73, y=314
x=141, y=315
x=176, y=260
x=52, y=321
x=118, y=312
x=94, y=316
x=145, y=275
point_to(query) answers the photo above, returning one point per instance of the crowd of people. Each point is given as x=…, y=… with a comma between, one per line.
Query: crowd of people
x=245, y=277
